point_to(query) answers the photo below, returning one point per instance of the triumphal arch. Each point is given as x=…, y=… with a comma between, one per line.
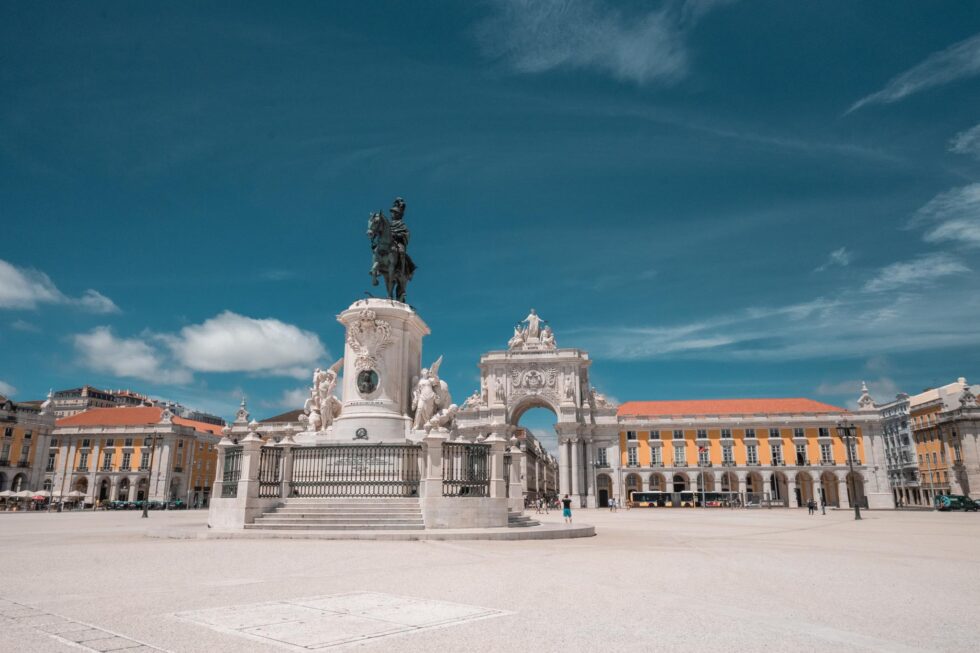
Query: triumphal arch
x=534, y=372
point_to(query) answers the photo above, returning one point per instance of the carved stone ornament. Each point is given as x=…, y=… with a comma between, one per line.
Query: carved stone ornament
x=368, y=336
x=865, y=400
x=968, y=399
x=534, y=378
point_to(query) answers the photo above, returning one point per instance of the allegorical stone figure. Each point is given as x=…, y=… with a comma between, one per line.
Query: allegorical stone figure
x=389, y=247
x=431, y=395
x=533, y=326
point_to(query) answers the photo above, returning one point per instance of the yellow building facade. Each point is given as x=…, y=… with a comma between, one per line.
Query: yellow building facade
x=132, y=454
x=781, y=452
x=25, y=430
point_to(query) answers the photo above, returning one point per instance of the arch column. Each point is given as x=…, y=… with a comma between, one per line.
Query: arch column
x=842, y=492
x=592, y=495
x=576, y=472
x=563, y=471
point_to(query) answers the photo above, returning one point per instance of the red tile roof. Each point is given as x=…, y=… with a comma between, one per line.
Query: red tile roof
x=130, y=416
x=792, y=405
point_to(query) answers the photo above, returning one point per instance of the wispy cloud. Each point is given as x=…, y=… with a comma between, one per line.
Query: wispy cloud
x=840, y=257
x=25, y=288
x=955, y=62
x=895, y=311
x=24, y=325
x=6, y=389
x=967, y=142
x=919, y=272
x=535, y=36
x=953, y=216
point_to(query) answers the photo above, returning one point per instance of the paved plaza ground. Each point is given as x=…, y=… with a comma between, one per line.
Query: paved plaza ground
x=652, y=580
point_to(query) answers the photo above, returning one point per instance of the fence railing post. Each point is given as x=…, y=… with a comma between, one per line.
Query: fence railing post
x=287, y=443
x=217, y=489
x=248, y=483
x=432, y=485
x=498, y=446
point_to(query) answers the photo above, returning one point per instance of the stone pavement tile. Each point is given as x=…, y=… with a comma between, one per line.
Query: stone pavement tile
x=326, y=630
x=18, y=611
x=82, y=636
x=425, y=613
x=250, y=616
x=39, y=620
x=113, y=643
x=351, y=602
x=63, y=626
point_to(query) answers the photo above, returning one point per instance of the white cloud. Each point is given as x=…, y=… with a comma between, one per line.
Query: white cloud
x=227, y=342
x=101, y=350
x=24, y=325
x=967, y=142
x=953, y=216
x=24, y=288
x=882, y=389
x=6, y=389
x=230, y=342
x=289, y=399
x=922, y=271
x=955, y=62
x=840, y=257
x=535, y=36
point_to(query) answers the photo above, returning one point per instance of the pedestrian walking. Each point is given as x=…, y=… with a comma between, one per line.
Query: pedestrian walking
x=566, y=509
x=823, y=506
x=811, y=507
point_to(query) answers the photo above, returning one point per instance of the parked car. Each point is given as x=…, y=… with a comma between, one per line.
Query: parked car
x=176, y=504
x=948, y=502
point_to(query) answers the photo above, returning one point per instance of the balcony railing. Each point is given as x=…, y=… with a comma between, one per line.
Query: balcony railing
x=752, y=463
x=4, y=462
x=827, y=462
x=680, y=463
x=105, y=468
x=178, y=469
x=125, y=468
x=728, y=463
x=23, y=463
x=81, y=469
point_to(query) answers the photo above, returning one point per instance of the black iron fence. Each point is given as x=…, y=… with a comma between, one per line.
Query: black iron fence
x=357, y=470
x=232, y=472
x=465, y=469
x=270, y=472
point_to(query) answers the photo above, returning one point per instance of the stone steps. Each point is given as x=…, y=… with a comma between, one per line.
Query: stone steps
x=342, y=513
x=519, y=520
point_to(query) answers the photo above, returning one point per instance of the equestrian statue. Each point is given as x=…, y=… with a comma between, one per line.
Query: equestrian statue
x=389, y=248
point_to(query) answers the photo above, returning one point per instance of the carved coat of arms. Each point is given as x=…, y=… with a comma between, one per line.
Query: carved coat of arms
x=367, y=337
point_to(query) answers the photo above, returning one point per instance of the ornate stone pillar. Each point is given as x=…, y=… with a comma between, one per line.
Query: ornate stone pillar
x=791, y=492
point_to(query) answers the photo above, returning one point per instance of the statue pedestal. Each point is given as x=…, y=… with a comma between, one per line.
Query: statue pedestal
x=382, y=355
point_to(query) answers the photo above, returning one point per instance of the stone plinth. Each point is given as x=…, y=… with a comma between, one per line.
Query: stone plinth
x=382, y=355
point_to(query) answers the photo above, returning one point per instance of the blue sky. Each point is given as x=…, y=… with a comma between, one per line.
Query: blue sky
x=716, y=199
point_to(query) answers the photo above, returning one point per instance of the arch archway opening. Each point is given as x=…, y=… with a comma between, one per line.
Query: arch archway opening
x=538, y=478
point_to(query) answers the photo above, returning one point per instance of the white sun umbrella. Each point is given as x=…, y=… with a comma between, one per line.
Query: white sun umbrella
x=42, y=493
x=25, y=494
x=76, y=494
x=6, y=493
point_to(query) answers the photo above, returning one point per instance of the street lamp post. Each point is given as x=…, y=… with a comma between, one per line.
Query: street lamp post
x=846, y=430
